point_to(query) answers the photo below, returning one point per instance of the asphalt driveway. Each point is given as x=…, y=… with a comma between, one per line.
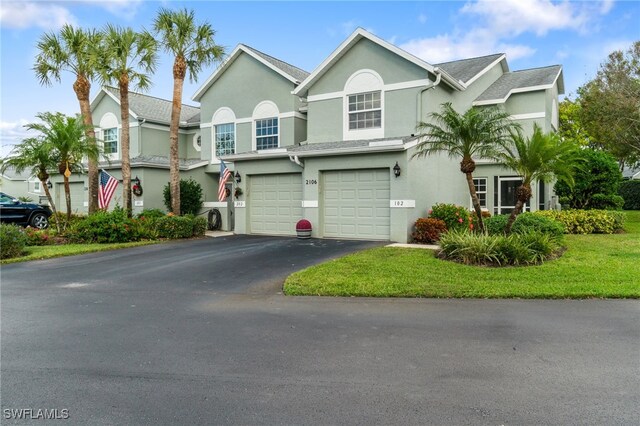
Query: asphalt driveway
x=197, y=332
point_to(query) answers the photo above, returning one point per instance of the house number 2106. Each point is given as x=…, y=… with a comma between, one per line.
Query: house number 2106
x=312, y=181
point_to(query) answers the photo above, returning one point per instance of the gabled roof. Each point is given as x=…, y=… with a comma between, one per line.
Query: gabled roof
x=10, y=173
x=157, y=161
x=144, y=107
x=351, y=41
x=288, y=71
x=521, y=81
x=466, y=71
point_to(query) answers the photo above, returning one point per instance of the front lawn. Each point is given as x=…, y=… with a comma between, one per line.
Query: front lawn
x=600, y=266
x=48, y=252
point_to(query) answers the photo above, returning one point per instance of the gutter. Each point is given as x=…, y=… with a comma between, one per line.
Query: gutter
x=419, y=95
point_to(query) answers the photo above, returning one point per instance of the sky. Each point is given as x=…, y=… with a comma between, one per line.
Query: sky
x=576, y=34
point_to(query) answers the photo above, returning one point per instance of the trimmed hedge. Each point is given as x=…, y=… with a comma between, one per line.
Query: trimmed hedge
x=12, y=240
x=587, y=221
x=106, y=227
x=630, y=192
x=525, y=222
x=428, y=230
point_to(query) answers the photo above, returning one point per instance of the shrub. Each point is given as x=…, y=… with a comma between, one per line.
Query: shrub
x=61, y=219
x=12, y=240
x=495, y=225
x=599, y=174
x=528, y=222
x=630, y=192
x=190, y=197
x=455, y=217
x=606, y=202
x=428, y=230
x=498, y=250
x=173, y=227
x=199, y=226
x=105, y=227
x=587, y=221
x=474, y=218
x=37, y=237
x=151, y=214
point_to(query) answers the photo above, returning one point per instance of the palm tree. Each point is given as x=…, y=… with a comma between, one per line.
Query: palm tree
x=193, y=48
x=68, y=144
x=33, y=154
x=476, y=133
x=539, y=157
x=70, y=51
x=128, y=59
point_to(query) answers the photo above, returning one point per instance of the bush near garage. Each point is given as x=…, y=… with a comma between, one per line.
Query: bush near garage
x=587, y=221
x=174, y=227
x=12, y=240
x=428, y=230
x=630, y=191
x=106, y=227
x=37, y=237
x=455, y=217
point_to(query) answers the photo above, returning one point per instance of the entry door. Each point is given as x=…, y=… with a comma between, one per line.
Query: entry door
x=507, y=195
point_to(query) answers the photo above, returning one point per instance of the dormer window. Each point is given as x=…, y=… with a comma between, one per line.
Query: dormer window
x=365, y=111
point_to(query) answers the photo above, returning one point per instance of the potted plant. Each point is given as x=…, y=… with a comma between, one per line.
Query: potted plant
x=303, y=229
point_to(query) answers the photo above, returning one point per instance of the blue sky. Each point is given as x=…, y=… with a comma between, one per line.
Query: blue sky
x=576, y=34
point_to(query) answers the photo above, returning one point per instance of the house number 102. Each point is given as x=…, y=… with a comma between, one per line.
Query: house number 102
x=312, y=181
x=398, y=203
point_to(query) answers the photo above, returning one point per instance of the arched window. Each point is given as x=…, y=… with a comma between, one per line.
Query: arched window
x=224, y=132
x=363, y=105
x=110, y=135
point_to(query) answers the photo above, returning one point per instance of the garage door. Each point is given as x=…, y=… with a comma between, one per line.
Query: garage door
x=77, y=197
x=275, y=203
x=356, y=204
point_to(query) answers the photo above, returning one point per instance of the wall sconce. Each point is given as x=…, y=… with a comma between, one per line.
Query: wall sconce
x=396, y=170
x=238, y=178
x=49, y=184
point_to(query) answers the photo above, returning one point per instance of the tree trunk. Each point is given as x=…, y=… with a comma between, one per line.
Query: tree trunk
x=126, y=161
x=67, y=197
x=179, y=71
x=475, y=201
x=523, y=194
x=82, y=88
x=43, y=183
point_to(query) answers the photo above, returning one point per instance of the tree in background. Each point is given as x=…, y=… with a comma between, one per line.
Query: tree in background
x=570, y=123
x=610, y=106
x=476, y=133
x=193, y=48
x=70, y=51
x=128, y=59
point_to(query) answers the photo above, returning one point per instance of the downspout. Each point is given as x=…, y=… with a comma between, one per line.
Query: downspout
x=144, y=120
x=436, y=70
x=295, y=159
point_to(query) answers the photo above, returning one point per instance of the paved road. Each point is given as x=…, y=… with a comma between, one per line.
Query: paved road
x=197, y=333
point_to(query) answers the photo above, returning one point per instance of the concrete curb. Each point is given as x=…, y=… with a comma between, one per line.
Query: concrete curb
x=416, y=246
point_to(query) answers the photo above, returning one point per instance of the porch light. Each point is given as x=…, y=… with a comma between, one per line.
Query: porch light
x=49, y=184
x=238, y=178
x=396, y=170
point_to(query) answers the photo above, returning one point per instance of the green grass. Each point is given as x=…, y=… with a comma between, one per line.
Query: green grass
x=594, y=266
x=48, y=252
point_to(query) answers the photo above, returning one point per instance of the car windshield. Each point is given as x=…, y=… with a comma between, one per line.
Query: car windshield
x=6, y=199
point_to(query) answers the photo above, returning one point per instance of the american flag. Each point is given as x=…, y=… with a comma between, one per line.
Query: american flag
x=106, y=189
x=225, y=174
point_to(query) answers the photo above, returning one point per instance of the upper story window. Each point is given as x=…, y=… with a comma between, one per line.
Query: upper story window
x=225, y=139
x=110, y=140
x=36, y=186
x=267, y=133
x=197, y=142
x=365, y=111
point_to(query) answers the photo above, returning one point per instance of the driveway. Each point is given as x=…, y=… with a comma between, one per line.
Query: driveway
x=197, y=332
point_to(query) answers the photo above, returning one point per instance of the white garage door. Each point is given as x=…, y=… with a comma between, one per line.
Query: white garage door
x=275, y=203
x=76, y=189
x=356, y=204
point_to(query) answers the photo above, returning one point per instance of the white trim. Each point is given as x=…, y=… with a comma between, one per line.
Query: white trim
x=292, y=114
x=205, y=125
x=216, y=204
x=387, y=143
x=227, y=63
x=195, y=141
x=356, y=36
x=272, y=150
x=309, y=203
x=164, y=128
x=410, y=84
x=484, y=71
x=244, y=120
x=325, y=96
x=528, y=116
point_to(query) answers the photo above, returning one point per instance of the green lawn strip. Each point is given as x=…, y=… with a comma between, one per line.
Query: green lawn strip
x=594, y=266
x=632, y=224
x=48, y=252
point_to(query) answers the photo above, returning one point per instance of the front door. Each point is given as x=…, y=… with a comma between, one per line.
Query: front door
x=507, y=187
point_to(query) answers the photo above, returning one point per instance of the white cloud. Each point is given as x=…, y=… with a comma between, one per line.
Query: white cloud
x=11, y=133
x=123, y=8
x=20, y=15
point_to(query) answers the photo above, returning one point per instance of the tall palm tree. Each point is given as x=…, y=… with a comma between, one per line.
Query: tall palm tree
x=70, y=51
x=33, y=154
x=68, y=143
x=128, y=59
x=476, y=133
x=193, y=48
x=540, y=157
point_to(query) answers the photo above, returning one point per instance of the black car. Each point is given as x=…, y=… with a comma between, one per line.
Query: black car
x=15, y=211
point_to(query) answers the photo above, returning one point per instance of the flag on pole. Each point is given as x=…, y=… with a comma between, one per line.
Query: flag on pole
x=106, y=189
x=225, y=174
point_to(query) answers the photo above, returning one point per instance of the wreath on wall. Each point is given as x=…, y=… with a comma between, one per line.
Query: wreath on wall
x=137, y=190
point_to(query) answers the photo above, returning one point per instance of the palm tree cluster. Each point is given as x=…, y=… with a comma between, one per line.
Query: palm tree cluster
x=127, y=58
x=488, y=133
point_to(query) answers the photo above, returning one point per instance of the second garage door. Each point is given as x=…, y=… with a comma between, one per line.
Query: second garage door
x=275, y=203
x=356, y=204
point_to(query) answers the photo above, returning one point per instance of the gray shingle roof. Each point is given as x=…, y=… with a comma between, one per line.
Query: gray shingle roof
x=157, y=161
x=156, y=109
x=295, y=72
x=465, y=69
x=523, y=79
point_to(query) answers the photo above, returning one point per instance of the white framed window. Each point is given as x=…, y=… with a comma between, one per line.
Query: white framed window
x=225, y=139
x=506, y=195
x=110, y=140
x=267, y=133
x=36, y=186
x=365, y=111
x=197, y=142
x=481, y=191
